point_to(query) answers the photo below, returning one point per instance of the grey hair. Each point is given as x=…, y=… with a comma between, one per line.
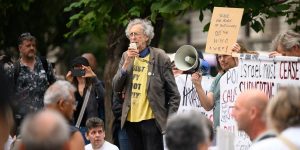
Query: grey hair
x=58, y=90
x=147, y=27
x=287, y=40
x=283, y=109
x=45, y=130
x=26, y=36
x=186, y=131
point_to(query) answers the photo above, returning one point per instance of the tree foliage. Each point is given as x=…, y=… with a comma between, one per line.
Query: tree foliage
x=44, y=19
x=102, y=15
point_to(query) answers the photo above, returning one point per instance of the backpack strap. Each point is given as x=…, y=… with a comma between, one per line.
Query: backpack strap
x=45, y=64
x=46, y=68
x=16, y=71
x=44, y=61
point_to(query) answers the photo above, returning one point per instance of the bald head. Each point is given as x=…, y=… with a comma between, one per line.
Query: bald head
x=249, y=112
x=45, y=130
x=254, y=98
x=92, y=60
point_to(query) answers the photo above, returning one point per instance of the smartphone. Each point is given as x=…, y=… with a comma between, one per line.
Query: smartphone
x=77, y=72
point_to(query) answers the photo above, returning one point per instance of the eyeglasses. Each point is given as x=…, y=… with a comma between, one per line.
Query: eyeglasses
x=135, y=34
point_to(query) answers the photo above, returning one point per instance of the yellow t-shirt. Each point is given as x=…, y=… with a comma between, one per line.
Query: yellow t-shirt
x=140, y=108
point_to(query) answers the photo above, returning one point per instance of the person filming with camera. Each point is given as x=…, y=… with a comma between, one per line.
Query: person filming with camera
x=88, y=92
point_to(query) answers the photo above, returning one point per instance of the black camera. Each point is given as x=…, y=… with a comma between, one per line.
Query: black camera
x=77, y=72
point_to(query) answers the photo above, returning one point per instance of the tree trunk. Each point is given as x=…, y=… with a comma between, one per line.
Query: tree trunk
x=158, y=26
x=117, y=44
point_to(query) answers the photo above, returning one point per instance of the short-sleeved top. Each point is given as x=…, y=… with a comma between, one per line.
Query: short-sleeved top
x=30, y=87
x=215, y=89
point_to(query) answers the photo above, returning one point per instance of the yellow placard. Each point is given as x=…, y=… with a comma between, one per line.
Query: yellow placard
x=223, y=30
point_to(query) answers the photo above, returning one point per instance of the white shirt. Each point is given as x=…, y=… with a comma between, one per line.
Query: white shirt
x=291, y=134
x=106, y=146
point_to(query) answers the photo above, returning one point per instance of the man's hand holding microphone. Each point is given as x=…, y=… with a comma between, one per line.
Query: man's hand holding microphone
x=132, y=52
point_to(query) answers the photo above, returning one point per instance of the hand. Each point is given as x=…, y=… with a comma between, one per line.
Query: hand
x=196, y=78
x=236, y=48
x=69, y=76
x=275, y=53
x=131, y=54
x=88, y=72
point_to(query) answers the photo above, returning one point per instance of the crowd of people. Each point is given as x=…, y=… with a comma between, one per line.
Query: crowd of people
x=39, y=112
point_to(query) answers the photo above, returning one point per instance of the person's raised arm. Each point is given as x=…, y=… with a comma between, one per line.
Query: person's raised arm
x=206, y=100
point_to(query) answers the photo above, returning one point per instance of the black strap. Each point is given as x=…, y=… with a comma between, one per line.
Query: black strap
x=45, y=66
x=267, y=136
x=16, y=72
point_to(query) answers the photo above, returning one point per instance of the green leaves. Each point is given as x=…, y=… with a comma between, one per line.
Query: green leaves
x=99, y=14
x=73, y=6
x=135, y=11
x=281, y=7
x=206, y=27
x=201, y=16
x=174, y=6
x=256, y=26
x=294, y=15
x=155, y=9
x=200, y=4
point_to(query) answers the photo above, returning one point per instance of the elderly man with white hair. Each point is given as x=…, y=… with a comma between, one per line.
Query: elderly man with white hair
x=60, y=97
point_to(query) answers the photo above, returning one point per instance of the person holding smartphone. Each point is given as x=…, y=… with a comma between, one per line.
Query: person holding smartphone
x=82, y=77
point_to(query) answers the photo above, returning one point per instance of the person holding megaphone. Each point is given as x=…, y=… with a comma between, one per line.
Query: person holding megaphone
x=211, y=99
x=187, y=62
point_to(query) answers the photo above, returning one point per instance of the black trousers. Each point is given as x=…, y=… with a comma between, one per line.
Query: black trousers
x=144, y=135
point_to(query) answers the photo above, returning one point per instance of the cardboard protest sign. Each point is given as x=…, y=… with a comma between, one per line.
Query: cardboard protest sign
x=223, y=30
x=259, y=72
